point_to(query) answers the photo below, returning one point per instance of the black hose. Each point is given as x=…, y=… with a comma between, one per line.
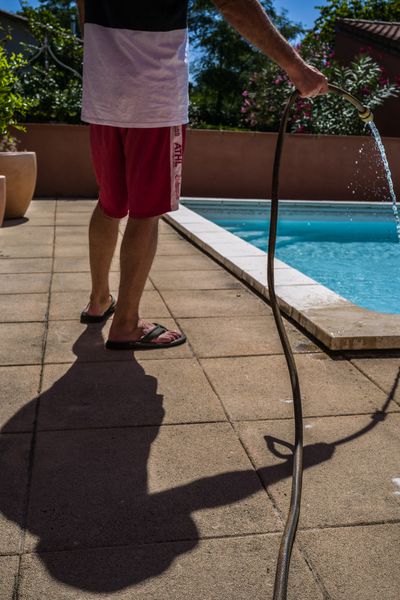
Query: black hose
x=285, y=551
x=289, y=534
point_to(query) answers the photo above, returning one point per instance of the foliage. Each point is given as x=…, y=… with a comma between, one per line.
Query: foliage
x=222, y=62
x=65, y=11
x=13, y=105
x=269, y=89
x=380, y=10
x=55, y=89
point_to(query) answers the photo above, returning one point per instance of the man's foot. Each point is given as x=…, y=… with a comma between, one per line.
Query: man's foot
x=145, y=336
x=98, y=311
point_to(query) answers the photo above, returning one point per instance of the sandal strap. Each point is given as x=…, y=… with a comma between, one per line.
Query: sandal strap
x=154, y=333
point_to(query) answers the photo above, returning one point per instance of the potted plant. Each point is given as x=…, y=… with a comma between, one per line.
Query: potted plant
x=19, y=168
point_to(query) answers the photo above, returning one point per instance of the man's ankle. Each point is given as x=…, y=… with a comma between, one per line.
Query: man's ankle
x=100, y=297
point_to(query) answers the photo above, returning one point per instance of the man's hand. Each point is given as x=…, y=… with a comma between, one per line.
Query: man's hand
x=250, y=20
x=308, y=80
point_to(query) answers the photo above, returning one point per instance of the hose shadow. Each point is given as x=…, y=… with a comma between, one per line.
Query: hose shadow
x=90, y=482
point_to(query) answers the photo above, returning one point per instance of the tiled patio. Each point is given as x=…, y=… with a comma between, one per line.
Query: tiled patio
x=153, y=476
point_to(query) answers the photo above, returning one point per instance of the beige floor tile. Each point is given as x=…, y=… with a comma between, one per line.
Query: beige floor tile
x=258, y=387
x=384, y=371
x=14, y=460
x=143, y=484
x=176, y=248
x=215, y=303
x=27, y=283
x=23, y=307
x=65, y=231
x=8, y=573
x=169, y=236
x=361, y=563
x=25, y=265
x=345, y=482
x=72, y=240
x=198, y=280
x=81, y=282
x=27, y=251
x=45, y=205
x=80, y=250
x=244, y=336
x=76, y=204
x=68, y=340
x=128, y=393
x=69, y=264
x=68, y=305
x=72, y=219
x=21, y=343
x=228, y=569
x=165, y=228
x=184, y=263
x=19, y=387
x=41, y=220
x=25, y=236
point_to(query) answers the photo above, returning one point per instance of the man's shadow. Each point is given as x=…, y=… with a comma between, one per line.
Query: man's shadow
x=90, y=484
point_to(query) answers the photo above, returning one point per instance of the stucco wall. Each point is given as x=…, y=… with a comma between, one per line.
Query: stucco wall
x=229, y=164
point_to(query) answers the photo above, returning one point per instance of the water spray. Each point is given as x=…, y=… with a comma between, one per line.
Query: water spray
x=286, y=548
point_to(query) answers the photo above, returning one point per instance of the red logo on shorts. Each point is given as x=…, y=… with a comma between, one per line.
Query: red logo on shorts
x=178, y=154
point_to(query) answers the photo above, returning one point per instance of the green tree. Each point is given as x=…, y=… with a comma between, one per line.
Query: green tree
x=380, y=10
x=13, y=105
x=65, y=11
x=222, y=62
x=53, y=78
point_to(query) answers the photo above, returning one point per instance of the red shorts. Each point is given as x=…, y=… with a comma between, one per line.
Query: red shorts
x=139, y=171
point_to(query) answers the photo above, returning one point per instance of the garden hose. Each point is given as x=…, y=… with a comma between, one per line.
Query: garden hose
x=286, y=547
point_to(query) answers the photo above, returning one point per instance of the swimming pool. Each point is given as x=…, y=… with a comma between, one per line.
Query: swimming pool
x=351, y=248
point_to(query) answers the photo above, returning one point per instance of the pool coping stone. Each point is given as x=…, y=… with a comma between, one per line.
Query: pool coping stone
x=337, y=323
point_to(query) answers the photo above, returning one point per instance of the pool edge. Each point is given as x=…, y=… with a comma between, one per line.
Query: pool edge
x=334, y=321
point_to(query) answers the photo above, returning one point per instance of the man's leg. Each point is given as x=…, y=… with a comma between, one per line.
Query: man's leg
x=138, y=249
x=103, y=236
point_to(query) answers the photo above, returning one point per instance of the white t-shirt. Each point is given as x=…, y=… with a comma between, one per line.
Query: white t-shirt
x=136, y=69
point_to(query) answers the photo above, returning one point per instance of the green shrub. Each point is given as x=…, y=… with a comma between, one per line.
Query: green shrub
x=55, y=90
x=13, y=104
x=269, y=89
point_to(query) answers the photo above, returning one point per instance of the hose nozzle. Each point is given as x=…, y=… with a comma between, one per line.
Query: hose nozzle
x=366, y=115
x=364, y=112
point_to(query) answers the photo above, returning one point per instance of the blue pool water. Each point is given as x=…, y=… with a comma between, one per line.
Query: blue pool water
x=353, y=250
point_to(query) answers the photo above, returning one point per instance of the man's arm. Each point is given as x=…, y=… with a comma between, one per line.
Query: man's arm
x=81, y=9
x=250, y=20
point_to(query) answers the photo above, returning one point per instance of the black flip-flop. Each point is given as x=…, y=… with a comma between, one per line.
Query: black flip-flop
x=86, y=318
x=145, y=342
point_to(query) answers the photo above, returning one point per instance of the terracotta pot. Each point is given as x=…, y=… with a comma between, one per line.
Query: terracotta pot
x=20, y=170
x=2, y=198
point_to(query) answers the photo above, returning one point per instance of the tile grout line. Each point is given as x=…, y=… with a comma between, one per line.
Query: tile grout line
x=195, y=357
x=16, y=591
x=390, y=394
x=228, y=420
x=274, y=533
x=315, y=575
x=180, y=423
